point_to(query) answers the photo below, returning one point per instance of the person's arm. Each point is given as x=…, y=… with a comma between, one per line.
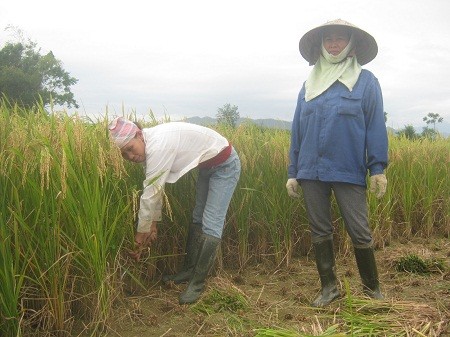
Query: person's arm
x=143, y=240
x=292, y=184
x=150, y=207
x=376, y=133
x=376, y=139
x=295, y=139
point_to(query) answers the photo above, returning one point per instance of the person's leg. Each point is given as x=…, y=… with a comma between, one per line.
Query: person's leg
x=351, y=200
x=192, y=247
x=317, y=196
x=352, y=203
x=365, y=260
x=201, y=194
x=194, y=231
x=205, y=261
x=318, y=205
x=222, y=183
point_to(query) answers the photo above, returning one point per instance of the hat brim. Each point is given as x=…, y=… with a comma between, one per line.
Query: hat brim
x=310, y=44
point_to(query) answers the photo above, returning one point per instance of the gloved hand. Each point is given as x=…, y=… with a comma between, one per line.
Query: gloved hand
x=292, y=188
x=378, y=183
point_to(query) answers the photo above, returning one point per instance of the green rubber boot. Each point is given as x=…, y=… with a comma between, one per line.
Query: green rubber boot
x=192, y=247
x=326, y=268
x=205, y=261
x=365, y=259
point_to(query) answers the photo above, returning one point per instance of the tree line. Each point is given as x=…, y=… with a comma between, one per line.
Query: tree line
x=431, y=119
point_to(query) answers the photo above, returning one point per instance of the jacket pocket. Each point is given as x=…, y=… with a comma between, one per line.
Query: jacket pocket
x=350, y=105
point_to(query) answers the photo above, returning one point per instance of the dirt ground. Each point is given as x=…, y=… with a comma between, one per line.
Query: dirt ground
x=263, y=297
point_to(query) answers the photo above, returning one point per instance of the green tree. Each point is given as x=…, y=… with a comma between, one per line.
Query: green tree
x=228, y=115
x=408, y=132
x=27, y=77
x=433, y=118
x=429, y=133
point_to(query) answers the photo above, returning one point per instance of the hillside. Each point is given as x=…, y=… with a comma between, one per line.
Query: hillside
x=268, y=122
x=286, y=125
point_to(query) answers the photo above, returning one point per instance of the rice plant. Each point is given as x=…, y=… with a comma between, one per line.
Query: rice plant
x=70, y=202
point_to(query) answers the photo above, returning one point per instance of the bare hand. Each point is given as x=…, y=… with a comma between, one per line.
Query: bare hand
x=142, y=241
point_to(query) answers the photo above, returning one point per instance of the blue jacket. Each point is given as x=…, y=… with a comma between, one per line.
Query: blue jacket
x=339, y=135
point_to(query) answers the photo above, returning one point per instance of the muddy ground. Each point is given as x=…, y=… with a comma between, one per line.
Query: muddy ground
x=263, y=297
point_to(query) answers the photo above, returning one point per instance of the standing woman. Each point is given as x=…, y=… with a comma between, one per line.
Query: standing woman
x=168, y=151
x=338, y=136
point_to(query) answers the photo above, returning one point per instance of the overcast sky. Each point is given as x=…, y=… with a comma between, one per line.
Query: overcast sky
x=188, y=58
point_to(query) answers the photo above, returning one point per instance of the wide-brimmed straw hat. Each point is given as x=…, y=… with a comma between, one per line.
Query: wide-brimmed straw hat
x=310, y=43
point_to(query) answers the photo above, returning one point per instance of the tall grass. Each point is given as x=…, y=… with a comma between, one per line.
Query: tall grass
x=419, y=188
x=265, y=219
x=70, y=201
x=65, y=203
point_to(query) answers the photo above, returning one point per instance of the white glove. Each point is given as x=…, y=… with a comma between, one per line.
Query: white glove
x=292, y=188
x=378, y=183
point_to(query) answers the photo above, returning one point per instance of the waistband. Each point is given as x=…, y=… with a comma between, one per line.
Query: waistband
x=218, y=159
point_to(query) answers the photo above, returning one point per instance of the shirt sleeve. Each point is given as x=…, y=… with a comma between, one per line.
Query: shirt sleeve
x=157, y=170
x=376, y=133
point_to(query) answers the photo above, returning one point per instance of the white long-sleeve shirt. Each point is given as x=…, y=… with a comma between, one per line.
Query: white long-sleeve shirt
x=171, y=150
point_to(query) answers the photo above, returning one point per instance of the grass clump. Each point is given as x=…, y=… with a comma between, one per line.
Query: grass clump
x=414, y=264
x=220, y=301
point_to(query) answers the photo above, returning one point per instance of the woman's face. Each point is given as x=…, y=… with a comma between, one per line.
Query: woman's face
x=335, y=39
x=135, y=149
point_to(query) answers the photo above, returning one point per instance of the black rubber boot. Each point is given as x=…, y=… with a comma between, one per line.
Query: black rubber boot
x=192, y=247
x=205, y=261
x=325, y=266
x=365, y=259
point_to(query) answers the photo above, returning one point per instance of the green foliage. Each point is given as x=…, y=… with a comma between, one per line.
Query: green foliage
x=414, y=264
x=221, y=301
x=433, y=118
x=429, y=133
x=228, y=115
x=27, y=77
x=62, y=220
x=70, y=200
x=409, y=132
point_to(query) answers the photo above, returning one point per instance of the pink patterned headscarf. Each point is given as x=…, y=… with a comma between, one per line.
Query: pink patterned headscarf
x=122, y=131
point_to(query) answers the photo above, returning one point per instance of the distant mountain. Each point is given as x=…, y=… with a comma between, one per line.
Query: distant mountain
x=205, y=121
x=443, y=128
x=267, y=122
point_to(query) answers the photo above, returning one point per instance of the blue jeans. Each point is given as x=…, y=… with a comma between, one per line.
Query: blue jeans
x=215, y=187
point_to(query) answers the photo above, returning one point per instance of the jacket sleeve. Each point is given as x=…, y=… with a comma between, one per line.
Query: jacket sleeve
x=295, y=138
x=376, y=133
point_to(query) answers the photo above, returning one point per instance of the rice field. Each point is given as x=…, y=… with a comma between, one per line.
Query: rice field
x=69, y=204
